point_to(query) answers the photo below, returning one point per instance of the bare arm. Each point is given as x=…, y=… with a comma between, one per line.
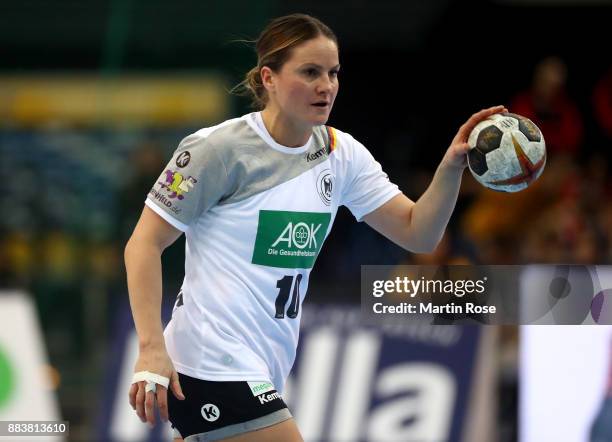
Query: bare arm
x=144, y=274
x=419, y=226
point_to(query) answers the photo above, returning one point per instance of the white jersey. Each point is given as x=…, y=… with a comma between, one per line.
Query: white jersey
x=255, y=215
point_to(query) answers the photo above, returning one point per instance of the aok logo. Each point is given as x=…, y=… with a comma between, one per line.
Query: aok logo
x=300, y=235
x=289, y=239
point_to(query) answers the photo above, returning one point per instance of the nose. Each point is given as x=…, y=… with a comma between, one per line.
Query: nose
x=325, y=85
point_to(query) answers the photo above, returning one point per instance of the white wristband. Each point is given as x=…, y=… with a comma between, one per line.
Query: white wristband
x=151, y=378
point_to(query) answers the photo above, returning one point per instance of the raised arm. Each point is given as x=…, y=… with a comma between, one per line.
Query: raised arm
x=419, y=226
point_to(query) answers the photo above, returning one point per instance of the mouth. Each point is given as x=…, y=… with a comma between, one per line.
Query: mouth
x=321, y=104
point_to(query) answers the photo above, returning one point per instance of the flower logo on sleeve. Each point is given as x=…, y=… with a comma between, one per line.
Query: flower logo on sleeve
x=176, y=184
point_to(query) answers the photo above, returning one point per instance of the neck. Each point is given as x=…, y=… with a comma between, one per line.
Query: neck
x=284, y=131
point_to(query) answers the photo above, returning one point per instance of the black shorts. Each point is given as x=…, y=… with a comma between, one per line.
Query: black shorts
x=217, y=410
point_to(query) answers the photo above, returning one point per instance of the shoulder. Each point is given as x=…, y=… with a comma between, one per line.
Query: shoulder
x=221, y=142
x=214, y=135
x=342, y=144
x=335, y=135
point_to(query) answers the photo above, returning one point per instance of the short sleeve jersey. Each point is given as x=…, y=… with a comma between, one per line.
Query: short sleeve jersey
x=255, y=215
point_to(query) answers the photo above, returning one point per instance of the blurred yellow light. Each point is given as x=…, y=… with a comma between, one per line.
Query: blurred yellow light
x=122, y=100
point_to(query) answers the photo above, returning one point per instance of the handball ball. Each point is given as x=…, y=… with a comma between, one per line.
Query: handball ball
x=507, y=152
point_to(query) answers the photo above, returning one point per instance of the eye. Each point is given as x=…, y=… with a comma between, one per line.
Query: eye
x=311, y=72
x=334, y=73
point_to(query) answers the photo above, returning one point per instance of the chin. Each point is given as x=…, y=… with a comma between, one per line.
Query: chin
x=313, y=119
x=320, y=119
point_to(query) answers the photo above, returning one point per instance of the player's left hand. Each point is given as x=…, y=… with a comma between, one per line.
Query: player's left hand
x=456, y=155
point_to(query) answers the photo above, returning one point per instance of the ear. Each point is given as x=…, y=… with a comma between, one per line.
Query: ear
x=267, y=78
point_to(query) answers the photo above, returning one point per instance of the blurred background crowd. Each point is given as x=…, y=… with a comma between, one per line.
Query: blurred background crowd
x=95, y=96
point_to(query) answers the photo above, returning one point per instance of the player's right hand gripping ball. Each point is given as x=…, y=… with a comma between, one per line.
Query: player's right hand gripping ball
x=507, y=152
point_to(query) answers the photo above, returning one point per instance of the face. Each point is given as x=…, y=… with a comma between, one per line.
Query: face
x=305, y=88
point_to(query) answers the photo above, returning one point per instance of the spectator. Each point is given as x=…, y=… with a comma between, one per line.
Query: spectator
x=547, y=104
x=602, y=104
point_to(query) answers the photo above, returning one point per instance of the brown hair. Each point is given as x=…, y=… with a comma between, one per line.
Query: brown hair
x=273, y=48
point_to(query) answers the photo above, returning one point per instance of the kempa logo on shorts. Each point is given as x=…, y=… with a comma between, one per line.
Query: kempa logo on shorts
x=265, y=398
x=260, y=387
x=289, y=240
x=210, y=412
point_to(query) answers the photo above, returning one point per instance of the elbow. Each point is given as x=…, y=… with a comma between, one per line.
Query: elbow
x=128, y=251
x=138, y=247
x=132, y=249
x=417, y=239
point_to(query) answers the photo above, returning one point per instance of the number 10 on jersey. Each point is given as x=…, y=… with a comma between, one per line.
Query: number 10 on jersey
x=284, y=289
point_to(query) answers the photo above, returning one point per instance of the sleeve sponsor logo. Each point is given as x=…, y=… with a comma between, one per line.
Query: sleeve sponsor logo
x=162, y=199
x=173, y=187
x=289, y=239
x=176, y=184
